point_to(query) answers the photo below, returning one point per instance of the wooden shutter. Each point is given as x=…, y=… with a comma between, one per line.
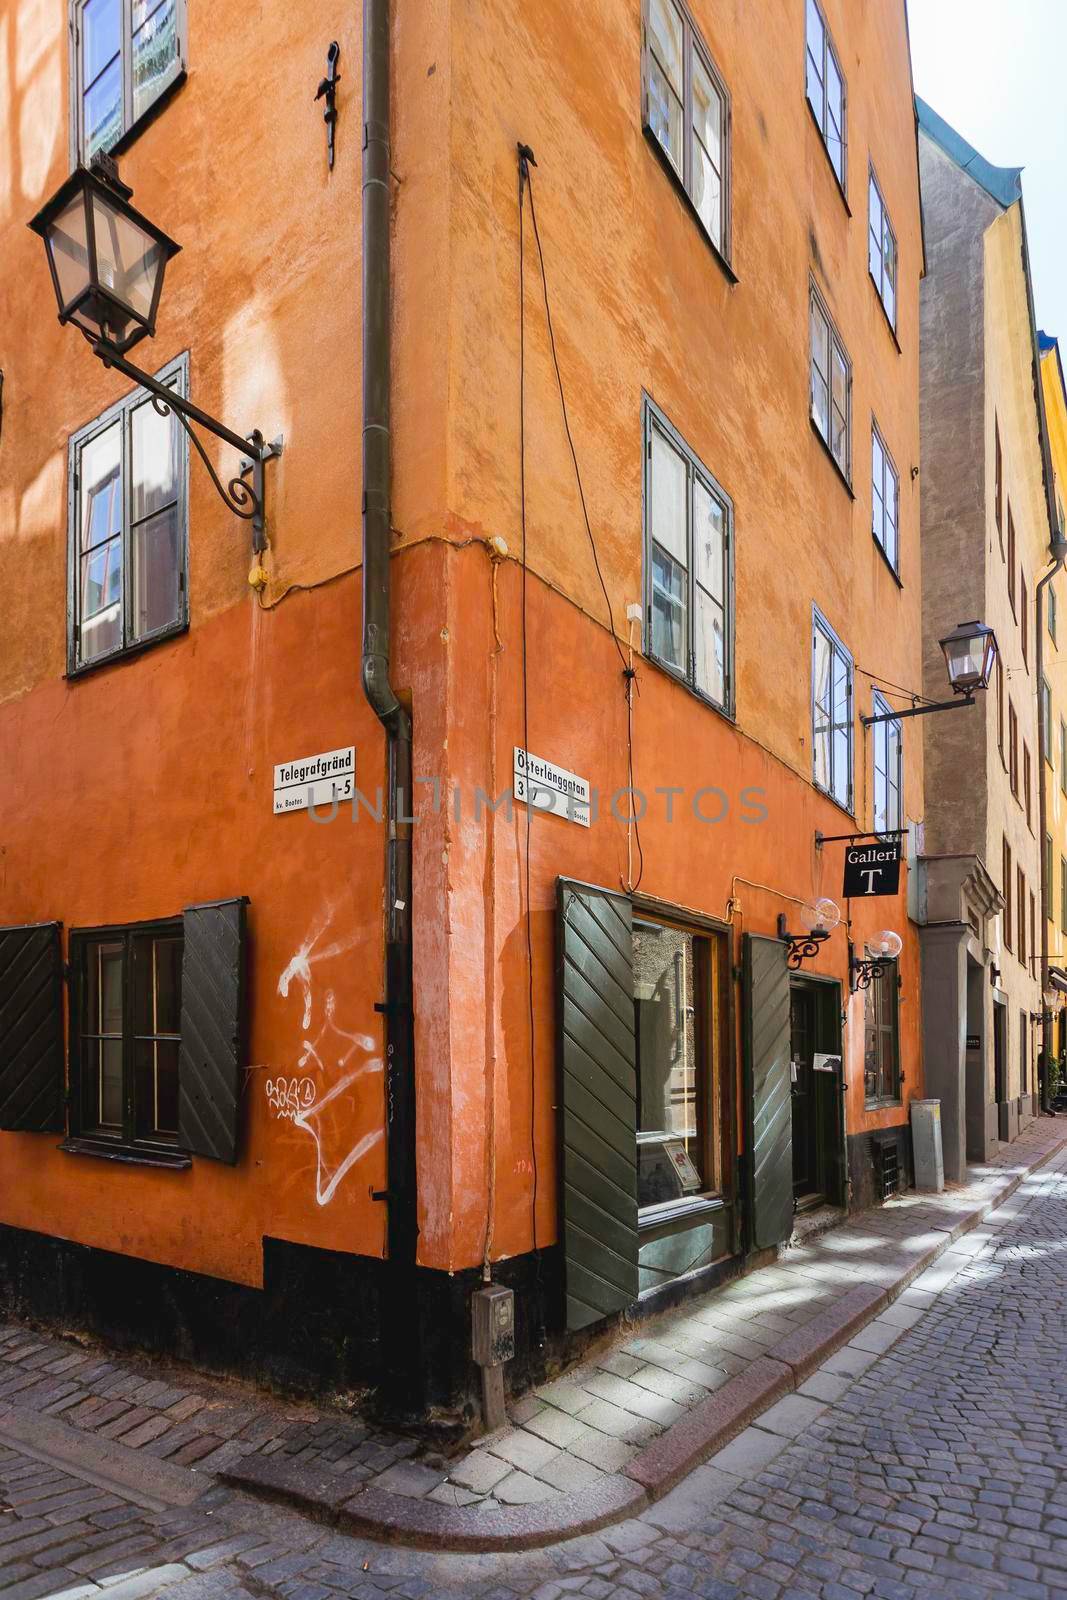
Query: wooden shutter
x=598, y=1102
x=31, y=1029
x=211, y=1057
x=768, y=1099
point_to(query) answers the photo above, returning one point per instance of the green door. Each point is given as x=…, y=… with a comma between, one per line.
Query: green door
x=768, y=1107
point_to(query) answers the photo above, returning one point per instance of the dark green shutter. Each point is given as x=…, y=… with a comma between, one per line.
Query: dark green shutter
x=31, y=1029
x=211, y=1058
x=768, y=1098
x=598, y=1102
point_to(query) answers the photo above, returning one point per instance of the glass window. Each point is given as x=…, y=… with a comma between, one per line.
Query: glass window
x=687, y=110
x=678, y=1018
x=826, y=90
x=1006, y=892
x=126, y=54
x=881, y=1036
x=831, y=714
x=1063, y=753
x=688, y=527
x=888, y=769
x=885, y=499
x=831, y=385
x=129, y=1033
x=1063, y=894
x=129, y=535
x=882, y=250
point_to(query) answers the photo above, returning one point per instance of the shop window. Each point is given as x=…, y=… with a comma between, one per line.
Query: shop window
x=826, y=90
x=831, y=386
x=888, y=769
x=688, y=564
x=882, y=250
x=885, y=500
x=831, y=713
x=687, y=111
x=128, y=528
x=881, y=1038
x=677, y=1021
x=126, y=55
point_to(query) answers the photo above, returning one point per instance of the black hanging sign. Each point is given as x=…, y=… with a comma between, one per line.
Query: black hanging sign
x=872, y=868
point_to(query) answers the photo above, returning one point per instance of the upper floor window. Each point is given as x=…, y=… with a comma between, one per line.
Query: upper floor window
x=831, y=385
x=1011, y=559
x=826, y=90
x=1024, y=621
x=831, y=702
x=885, y=499
x=687, y=110
x=1006, y=891
x=128, y=527
x=688, y=564
x=1013, y=750
x=126, y=54
x=998, y=485
x=882, y=251
x=888, y=769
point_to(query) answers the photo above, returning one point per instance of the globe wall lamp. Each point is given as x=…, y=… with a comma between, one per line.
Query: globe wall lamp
x=969, y=650
x=818, y=918
x=881, y=951
x=107, y=263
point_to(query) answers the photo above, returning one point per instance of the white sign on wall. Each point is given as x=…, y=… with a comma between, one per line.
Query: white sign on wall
x=550, y=788
x=322, y=779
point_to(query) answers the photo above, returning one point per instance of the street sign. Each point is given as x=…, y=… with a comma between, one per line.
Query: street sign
x=872, y=869
x=321, y=778
x=550, y=788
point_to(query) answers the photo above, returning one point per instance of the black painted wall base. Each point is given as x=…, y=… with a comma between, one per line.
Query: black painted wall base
x=864, y=1165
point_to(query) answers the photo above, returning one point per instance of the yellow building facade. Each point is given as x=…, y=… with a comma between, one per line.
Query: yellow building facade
x=1052, y=624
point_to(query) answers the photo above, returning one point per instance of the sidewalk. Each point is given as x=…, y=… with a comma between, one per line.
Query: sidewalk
x=596, y=1445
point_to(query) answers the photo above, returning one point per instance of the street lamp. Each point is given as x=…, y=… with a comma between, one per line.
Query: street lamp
x=818, y=918
x=881, y=951
x=969, y=650
x=107, y=263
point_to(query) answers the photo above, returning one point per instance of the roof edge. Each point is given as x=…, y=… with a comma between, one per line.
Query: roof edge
x=1002, y=184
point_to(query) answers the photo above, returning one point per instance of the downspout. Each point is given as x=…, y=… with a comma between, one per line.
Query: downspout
x=400, y=1341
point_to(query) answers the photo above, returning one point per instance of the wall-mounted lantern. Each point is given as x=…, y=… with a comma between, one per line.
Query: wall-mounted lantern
x=969, y=650
x=881, y=951
x=107, y=263
x=818, y=918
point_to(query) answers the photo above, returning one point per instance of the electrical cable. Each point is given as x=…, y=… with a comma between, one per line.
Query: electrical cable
x=887, y=683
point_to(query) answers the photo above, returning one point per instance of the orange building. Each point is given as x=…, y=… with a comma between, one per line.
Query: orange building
x=283, y=1086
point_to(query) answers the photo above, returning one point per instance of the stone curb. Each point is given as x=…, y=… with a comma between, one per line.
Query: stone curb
x=655, y=1470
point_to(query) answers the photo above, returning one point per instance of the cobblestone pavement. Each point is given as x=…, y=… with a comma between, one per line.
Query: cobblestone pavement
x=926, y=1459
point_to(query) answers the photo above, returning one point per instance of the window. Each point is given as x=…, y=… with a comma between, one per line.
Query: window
x=129, y=987
x=1063, y=894
x=128, y=528
x=127, y=53
x=1011, y=559
x=831, y=385
x=1020, y=908
x=998, y=490
x=999, y=672
x=688, y=564
x=881, y=1038
x=826, y=91
x=1024, y=622
x=1005, y=889
x=882, y=250
x=1024, y=1052
x=888, y=764
x=1063, y=752
x=1013, y=750
x=885, y=499
x=1052, y=612
x=678, y=1014
x=1026, y=786
x=1047, y=886
x=1046, y=719
x=1033, y=928
x=831, y=731
x=687, y=111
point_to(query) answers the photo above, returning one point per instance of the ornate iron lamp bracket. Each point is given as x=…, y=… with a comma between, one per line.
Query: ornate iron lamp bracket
x=862, y=973
x=327, y=90
x=802, y=946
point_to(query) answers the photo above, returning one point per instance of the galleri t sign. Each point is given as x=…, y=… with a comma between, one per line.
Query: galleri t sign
x=872, y=869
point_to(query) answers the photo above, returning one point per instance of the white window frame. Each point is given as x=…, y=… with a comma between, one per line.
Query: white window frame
x=654, y=421
x=76, y=75
x=883, y=526
x=834, y=346
x=888, y=766
x=176, y=372
x=841, y=793
x=818, y=53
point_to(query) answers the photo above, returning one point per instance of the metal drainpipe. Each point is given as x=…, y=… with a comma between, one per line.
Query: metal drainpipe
x=1043, y=735
x=399, y=1318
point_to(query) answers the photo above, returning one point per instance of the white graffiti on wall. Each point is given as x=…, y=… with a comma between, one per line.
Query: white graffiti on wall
x=321, y=1096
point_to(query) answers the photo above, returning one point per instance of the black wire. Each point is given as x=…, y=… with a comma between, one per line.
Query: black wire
x=887, y=683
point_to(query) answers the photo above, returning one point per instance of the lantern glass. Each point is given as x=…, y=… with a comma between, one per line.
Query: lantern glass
x=820, y=916
x=969, y=651
x=129, y=260
x=885, y=946
x=68, y=247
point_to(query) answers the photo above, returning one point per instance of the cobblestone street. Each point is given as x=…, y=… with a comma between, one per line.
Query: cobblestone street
x=926, y=1458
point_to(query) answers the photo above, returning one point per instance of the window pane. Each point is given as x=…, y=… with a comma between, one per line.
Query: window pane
x=101, y=26
x=157, y=984
x=709, y=541
x=889, y=297
x=102, y=110
x=104, y=988
x=99, y=468
x=668, y=497
x=707, y=113
x=821, y=729
x=665, y=78
x=103, y=1056
x=710, y=647
x=100, y=628
x=835, y=115
x=815, y=54
x=839, y=406
x=665, y=33
x=156, y=1088
x=671, y=1093
x=155, y=50
x=669, y=641
x=820, y=370
x=154, y=463
x=707, y=192
x=842, y=721
x=156, y=564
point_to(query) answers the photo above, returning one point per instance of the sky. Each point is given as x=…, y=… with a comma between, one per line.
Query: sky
x=994, y=69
